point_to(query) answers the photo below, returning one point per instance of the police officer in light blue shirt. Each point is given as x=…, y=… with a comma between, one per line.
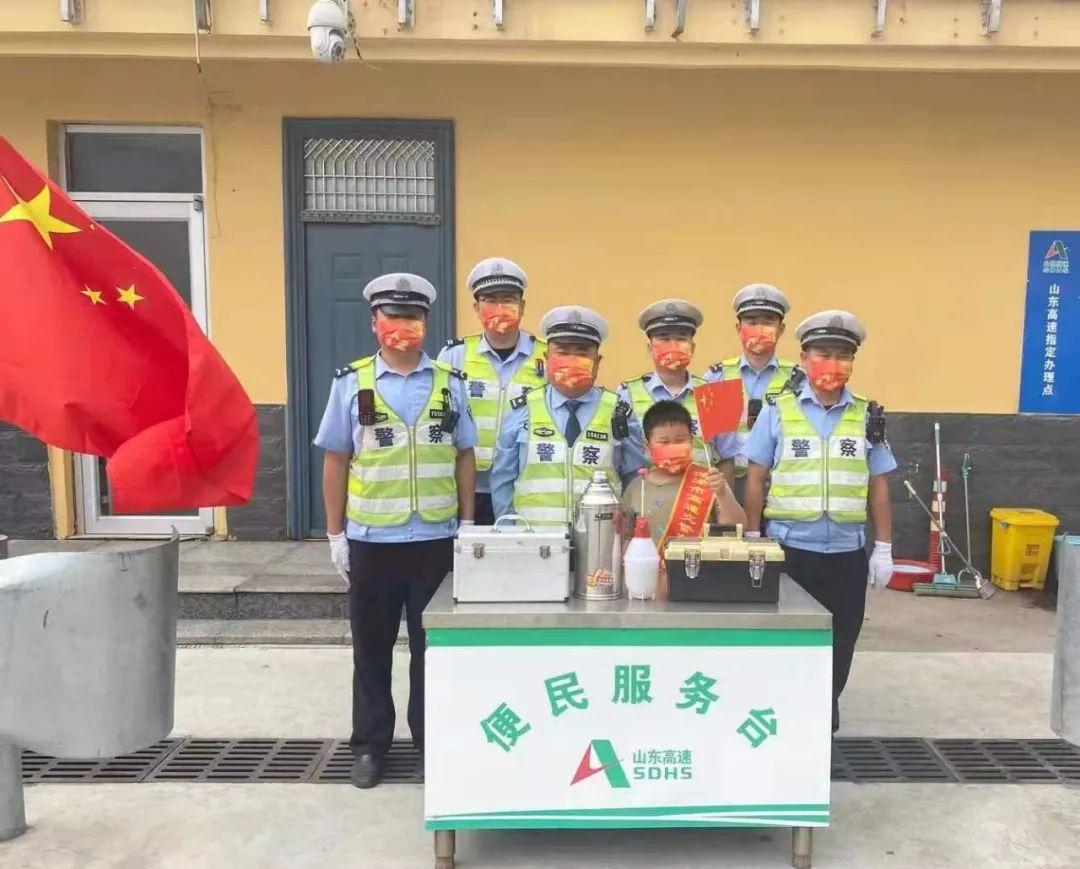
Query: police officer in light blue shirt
x=500, y=362
x=760, y=310
x=571, y=399
x=670, y=326
x=399, y=466
x=828, y=461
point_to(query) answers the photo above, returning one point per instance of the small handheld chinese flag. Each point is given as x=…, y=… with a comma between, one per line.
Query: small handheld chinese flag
x=100, y=355
x=719, y=407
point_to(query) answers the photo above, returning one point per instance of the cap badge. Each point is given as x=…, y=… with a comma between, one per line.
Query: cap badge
x=836, y=322
x=403, y=284
x=496, y=268
x=669, y=308
x=574, y=317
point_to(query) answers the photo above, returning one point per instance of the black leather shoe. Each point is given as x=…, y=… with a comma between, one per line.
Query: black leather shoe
x=418, y=773
x=366, y=772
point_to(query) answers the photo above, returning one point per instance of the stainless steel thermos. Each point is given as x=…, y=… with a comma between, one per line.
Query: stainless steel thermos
x=597, y=538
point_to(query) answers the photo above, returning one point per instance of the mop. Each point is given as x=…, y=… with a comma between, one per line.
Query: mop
x=967, y=570
x=946, y=584
x=949, y=585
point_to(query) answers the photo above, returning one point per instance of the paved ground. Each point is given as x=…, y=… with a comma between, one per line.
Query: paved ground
x=926, y=667
x=300, y=826
x=303, y=692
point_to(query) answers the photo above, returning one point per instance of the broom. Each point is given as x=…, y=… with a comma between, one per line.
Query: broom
x=981, y=587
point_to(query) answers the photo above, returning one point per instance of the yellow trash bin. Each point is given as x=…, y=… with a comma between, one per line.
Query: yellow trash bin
x=1020, y=545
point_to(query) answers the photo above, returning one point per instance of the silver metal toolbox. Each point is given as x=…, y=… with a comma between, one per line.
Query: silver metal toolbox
x=503, y=562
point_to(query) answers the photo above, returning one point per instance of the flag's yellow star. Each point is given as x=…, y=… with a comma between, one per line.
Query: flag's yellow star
x=129, y=296
x=37, y=212
x=93, y=295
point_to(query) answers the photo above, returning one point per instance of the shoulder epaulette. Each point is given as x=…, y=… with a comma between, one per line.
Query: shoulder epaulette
x=454, y=342
x=521, y=400
x=450, y=369
x=772, y=398
x=644, y=377
x=352, y=367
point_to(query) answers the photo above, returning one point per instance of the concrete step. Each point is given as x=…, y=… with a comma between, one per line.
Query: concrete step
x=267, y=632
x=213, y=597
x=224, y=580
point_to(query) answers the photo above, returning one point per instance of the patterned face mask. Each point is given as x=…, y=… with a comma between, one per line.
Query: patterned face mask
x=673, y=354
x=829, y=375
x=400, y=333
x=757, y=338
x=572, y=372
x=673, y=458
x=500, y=317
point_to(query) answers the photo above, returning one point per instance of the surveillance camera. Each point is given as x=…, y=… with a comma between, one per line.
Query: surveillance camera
x=327, y=24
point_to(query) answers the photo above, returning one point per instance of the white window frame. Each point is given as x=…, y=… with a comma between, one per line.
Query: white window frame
x=149, y=207
x=63, y=130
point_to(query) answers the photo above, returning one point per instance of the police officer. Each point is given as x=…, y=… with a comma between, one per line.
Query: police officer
x=566, y=430
x=826, y=466
x=500, y=362
x=670, y=326
x=759, y=321
x=398, y=475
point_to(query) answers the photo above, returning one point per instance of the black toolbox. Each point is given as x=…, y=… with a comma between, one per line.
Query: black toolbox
x=724, y=567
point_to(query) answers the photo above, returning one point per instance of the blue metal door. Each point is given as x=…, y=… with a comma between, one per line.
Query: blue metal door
x=374, y=197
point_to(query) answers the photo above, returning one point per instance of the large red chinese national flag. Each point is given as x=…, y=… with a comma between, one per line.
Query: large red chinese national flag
x=99, y=354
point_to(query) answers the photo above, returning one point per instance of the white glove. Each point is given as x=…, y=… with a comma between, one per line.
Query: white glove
x=466, y=522
x=881, y=565
x=751, y=535
x=339, y=554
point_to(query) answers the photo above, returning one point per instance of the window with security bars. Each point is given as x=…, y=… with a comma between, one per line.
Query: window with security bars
x=370, y=179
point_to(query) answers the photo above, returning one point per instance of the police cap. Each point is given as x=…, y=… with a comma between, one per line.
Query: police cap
x=400, y=293
x=670, y=314
x=831, y=326
x=496, y=274
x=573, y=323
x=762, y=299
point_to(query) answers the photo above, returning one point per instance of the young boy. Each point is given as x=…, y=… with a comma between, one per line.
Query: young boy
x=672, y=487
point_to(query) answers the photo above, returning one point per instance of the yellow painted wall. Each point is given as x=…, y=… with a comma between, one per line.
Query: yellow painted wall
x=904, y=197
x=943, y=34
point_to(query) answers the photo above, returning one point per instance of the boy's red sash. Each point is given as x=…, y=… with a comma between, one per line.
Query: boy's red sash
x=692, y=508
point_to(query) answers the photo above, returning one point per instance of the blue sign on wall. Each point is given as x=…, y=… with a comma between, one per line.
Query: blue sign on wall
x=1050, y=371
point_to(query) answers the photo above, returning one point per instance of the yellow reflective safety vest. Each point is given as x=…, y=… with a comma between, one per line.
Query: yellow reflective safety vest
x=641, y=400
x=555, y=475
x=399, y=469
x=489, y=398
x=818, y=476
x=732, y=371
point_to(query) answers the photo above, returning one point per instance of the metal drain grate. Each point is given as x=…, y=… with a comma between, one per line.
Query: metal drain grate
x=1059, y=755
x=242, y=760
x=887, y=760
x=398, y=766
x=37, y=768
x=858, y=760
x=1014, y=761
